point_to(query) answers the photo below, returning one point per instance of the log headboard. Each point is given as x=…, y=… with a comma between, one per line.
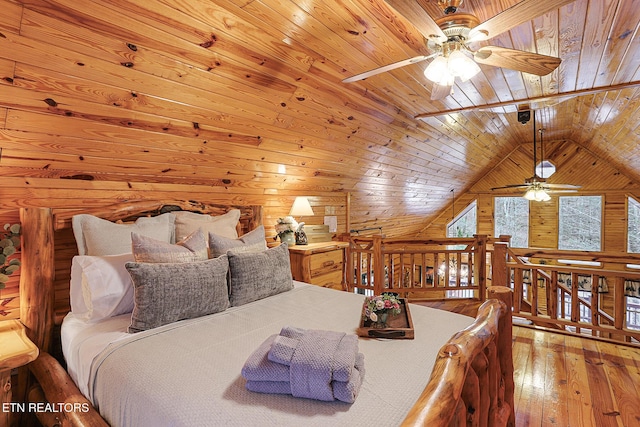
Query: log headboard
x=48, y=246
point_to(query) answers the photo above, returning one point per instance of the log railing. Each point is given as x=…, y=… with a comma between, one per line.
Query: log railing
x=434, y=268
x=573, y=292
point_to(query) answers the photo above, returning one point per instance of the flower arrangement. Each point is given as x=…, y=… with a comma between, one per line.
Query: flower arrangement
x=9, y=243
x=286, y=225
x=387, y=303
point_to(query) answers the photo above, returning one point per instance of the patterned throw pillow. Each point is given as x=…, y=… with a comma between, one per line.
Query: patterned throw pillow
x=222, y=225
x=253, y=241
x=191, y=248
x=254, y=276
x=165, y=293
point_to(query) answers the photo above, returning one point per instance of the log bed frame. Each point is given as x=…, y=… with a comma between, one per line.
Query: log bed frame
x=471, y=383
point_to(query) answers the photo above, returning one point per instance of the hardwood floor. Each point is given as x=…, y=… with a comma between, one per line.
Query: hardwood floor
x=569, y=381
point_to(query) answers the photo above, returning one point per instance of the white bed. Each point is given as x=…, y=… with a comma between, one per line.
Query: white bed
x=188, y=372
x=215, y=394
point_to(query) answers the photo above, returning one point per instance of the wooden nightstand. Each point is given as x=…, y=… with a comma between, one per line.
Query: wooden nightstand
x=320, y=264
x=16, y=350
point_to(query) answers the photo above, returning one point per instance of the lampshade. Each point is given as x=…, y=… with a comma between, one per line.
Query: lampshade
x=301, y=207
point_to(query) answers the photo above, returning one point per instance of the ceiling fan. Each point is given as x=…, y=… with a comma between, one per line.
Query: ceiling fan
x=537, y=188
x=450, y=37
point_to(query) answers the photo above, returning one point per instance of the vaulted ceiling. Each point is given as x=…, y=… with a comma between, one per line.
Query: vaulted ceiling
x=246, y=96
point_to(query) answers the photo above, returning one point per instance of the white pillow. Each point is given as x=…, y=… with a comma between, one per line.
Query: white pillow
x=101, y=286
x=222, y=225
x=98, y=237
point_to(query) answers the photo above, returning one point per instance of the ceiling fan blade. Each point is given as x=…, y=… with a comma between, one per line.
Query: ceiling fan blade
x=560, y=191
x=420, y=19
x=561, y=186
x=519, y=60
x=440, y=92
x=520, y=12
x=511, y=186
x=388, y=67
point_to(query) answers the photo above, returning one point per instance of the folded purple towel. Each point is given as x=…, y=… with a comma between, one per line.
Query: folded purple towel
x=343, y=355
x=343, y=391
x=322, y=365
x=259, y=368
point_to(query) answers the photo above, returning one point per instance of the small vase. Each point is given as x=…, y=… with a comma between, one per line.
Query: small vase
x=382, y=320
x=288, y=238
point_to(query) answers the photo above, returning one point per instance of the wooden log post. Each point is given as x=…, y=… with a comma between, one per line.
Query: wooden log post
x=504, y=344
x=378, y=265
x=37, y=274
x=500, y=274
x=480, y=265
x=435, y=405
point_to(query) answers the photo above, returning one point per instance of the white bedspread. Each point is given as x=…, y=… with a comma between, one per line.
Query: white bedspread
x=188, y=373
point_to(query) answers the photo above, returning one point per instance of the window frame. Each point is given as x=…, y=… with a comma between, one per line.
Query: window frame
x=602, y=219
x=628, y=199
x=470, y=206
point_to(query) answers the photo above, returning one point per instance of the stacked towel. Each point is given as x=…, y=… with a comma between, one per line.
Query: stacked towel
x=315, y=364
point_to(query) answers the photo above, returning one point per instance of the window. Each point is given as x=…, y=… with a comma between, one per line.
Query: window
x=511, y=216
x=633, y=225
x=580, y=223
x=464, y=225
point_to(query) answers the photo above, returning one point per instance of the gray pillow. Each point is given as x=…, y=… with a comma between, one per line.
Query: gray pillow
x=165, y=293
x=254, y=276
x=253, y=241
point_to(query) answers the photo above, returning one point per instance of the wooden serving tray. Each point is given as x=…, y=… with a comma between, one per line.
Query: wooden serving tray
x=399, y=326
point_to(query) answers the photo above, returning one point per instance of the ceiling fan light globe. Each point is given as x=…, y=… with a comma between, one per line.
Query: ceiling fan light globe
x=457, y=62
x=437, y=71
x=469, y=70
x=537, y=195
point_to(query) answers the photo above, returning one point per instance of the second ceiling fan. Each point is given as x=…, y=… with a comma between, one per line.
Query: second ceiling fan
x=537, y=188
x=450, y=36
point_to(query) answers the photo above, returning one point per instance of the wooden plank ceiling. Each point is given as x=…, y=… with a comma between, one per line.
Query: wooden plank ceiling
x=244, y=98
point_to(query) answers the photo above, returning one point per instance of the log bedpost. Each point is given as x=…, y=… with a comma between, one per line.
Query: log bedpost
x=444, y=403
x=37, y=275
x=505, y=347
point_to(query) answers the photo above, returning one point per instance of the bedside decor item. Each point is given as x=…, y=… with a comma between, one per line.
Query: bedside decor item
x=378, y=308
x=9, y=243
x=386, y=316
x=301, y=207
x=286, y=227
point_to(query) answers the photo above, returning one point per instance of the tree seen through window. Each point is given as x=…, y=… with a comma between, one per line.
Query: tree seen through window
x=580, y=223
x=511, y=215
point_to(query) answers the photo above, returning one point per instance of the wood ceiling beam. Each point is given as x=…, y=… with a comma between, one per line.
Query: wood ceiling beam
x=560, y=97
